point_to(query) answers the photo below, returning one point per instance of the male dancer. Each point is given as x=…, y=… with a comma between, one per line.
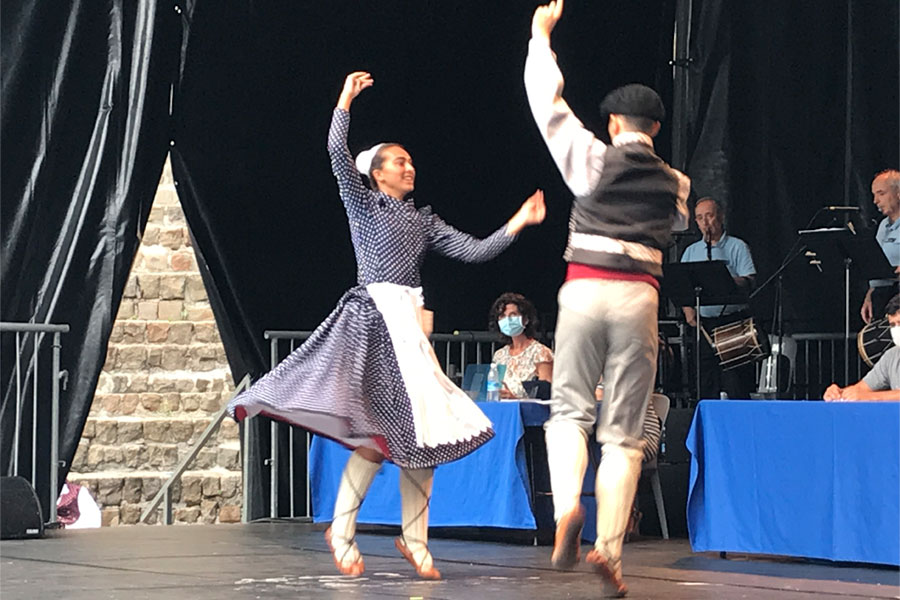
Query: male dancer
x=627, y=201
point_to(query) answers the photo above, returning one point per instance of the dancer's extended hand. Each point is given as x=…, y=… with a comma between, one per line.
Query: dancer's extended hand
x=545, y=19
x=353, y=85
x=531, y=212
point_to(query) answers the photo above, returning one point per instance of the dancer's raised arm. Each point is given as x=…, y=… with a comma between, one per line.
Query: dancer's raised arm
x=355, y=83
x=350, y=185
x=575, y=150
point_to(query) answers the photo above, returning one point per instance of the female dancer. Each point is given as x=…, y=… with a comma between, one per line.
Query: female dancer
x=368, y=377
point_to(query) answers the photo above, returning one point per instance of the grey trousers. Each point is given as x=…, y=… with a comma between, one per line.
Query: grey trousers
x=609, y=328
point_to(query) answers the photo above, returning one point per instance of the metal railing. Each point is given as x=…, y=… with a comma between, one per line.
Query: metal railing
x=31, y=336
x=820, y=362
x=819, y=358
x=164, y=494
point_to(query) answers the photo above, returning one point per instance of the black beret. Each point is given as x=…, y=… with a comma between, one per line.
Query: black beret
x=634, y=100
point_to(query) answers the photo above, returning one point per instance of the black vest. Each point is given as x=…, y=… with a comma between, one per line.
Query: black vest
x=634, y=201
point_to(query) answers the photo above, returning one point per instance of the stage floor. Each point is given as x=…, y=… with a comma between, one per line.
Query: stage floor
x=290, y=560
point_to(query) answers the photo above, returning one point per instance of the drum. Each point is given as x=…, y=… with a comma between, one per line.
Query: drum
x=873, y=340
x=739, y=343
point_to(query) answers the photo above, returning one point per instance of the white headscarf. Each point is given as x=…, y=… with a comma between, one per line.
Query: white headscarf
x=364, y=159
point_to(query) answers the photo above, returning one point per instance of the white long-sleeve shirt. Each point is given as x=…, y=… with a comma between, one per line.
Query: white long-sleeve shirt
x=577, y=152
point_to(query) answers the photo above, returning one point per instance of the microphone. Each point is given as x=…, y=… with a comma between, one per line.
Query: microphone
x=708, y=247
x=841, y=208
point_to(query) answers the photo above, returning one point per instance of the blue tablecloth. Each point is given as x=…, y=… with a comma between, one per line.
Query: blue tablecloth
x=810, y=479
x=488, y=488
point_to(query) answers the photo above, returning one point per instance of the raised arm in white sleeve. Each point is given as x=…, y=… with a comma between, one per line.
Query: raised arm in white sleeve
x=577, y=153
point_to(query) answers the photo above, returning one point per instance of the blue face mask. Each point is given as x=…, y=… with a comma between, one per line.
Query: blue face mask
x=511, y=326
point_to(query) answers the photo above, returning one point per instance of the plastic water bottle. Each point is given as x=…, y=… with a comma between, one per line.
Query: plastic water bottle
x=493, y=384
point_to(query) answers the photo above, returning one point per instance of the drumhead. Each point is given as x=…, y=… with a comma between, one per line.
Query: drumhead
x=873, y=340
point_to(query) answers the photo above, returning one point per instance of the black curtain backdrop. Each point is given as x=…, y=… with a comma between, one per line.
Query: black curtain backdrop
x=793, y=106
x=85, y=103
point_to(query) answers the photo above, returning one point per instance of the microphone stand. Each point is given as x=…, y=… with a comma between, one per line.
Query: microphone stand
x=778, y=318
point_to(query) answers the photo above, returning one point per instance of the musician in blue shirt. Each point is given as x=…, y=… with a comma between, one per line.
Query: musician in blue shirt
x=718, y=245
x=886, y=196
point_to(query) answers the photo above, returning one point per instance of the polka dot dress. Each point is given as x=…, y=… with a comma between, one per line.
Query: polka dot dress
x=344, y=381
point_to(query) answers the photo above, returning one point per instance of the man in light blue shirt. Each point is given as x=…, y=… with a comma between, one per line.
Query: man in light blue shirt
x=886, y=196
x=718, y=245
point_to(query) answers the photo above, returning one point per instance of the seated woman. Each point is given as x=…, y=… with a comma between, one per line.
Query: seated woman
x=525, y=357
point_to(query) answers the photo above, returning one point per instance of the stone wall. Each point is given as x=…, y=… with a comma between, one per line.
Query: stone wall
x=165, y=377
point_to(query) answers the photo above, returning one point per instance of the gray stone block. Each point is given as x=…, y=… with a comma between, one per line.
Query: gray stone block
x=106, y=431
x=229, y=430
x=113, y=457
x=181, y=431
x=171, y=287
x=109, y=491
x=191, y=490
x=181, y=333
x=129, y=431
x=131, y=358
x=137, y=383
x=174, y=358
x=89, y=428
x=229, y=458
x=129, y=514
x=126, y=309
x=161, y=456
x=188, y=514
x=230, y=486
x=171, y=310
x=132, y=456
x=131, y=491
x=210, y=486
x=157, y=431
x=209, y=511
x=154, y=358
x=130, y=288
x=206, y=459
x=109, y=517
x=150, y=486
x=195, y=291
x=115, y=335
x=148, y=284
x=148, y=310
x=151, y=232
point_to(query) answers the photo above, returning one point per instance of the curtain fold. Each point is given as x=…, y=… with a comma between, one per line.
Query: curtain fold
x=85, y=120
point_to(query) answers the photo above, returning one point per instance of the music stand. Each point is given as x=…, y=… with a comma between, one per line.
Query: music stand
x=838, y=245
x=699, y=284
